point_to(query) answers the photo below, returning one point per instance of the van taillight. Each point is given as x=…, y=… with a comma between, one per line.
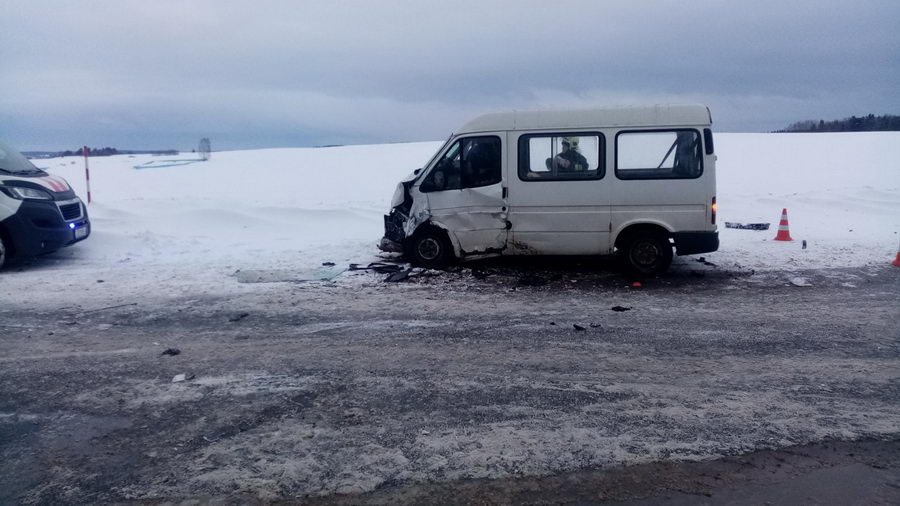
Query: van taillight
x=713, y=207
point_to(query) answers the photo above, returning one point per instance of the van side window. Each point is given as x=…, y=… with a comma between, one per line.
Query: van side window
x=561, y=157
x=669, y=154
x=469, y=163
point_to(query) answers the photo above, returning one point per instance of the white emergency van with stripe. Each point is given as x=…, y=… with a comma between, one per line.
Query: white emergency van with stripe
x=39, y=212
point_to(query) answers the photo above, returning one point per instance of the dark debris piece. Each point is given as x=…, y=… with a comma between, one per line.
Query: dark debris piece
x=619, y=309
x=327, y=264
x=577, y=326
x=747, y=226
x=171, y=352
x=238, y=317
x=379, y=267
x=398, y=276
x=704, y=261
x=596, y=326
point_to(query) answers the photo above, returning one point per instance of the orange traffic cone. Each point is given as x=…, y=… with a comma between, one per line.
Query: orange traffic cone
x=783, y=233
x=897, y=260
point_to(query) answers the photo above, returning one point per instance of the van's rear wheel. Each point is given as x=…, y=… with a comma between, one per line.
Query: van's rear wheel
x=647, y=253
x=431, y=249
x=4, y=251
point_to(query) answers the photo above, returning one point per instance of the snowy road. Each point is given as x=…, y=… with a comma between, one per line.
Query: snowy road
x=324, y=388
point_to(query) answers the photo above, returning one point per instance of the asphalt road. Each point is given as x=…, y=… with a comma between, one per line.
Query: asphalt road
x=453, y=388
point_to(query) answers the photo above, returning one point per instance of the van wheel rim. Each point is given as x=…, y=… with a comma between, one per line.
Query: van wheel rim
x=429, y=248
x=644, y=253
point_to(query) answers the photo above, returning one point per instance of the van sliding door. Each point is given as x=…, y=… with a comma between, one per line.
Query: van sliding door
x=559, y=194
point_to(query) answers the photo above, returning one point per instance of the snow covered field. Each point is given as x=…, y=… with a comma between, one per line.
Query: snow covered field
x=175, y=228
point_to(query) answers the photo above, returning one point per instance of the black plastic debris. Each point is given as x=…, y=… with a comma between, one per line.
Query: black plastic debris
x=552, y=323
x=398, y=276
x=619, y=309
x=704, y=261
x=327, y=264
x=532, y=280
x=238, y=317
x=596, y=326
x=379, y=267
x=747, y=226
x=171, y=352
x=577, y=326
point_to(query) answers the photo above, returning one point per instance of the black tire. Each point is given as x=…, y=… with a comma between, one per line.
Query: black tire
x=647, y=253
x=4, y=251
x=430, y=248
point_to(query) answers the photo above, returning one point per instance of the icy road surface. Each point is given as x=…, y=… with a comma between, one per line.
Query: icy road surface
x=319, y=389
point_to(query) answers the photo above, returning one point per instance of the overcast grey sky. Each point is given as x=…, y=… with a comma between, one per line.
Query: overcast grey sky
x=247, y=74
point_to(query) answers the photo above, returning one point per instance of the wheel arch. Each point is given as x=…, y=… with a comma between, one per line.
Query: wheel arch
x=457, y=252
x=629, y=229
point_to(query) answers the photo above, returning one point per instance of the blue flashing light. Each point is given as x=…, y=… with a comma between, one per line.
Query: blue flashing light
x=72, y=226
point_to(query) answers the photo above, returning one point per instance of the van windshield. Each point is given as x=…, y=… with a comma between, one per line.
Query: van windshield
x=12, y=162
x=433, y=157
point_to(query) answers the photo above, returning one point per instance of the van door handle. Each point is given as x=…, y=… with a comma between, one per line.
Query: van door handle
x=504, y=193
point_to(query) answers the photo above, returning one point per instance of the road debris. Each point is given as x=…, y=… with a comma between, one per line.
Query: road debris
x=619, y=309
x=704, y=261
x=398, y=276
x=748, y=226
x=577, y=326
x=182, y=377
x=379, y=267
x=171, y=352
x=238, y=317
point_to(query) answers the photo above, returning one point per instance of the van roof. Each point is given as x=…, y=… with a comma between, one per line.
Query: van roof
x=633, y=116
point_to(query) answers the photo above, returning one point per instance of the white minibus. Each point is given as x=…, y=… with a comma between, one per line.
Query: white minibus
x=632, y=181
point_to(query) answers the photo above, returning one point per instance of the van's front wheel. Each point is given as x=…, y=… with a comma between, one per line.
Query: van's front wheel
x=647, y=253
x=431, y=249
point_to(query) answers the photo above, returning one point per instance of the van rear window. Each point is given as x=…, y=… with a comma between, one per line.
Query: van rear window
x=561, y=157
x=659, y=154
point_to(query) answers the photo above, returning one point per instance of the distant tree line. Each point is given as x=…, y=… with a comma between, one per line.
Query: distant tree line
x=870, y=123
x=107, y=151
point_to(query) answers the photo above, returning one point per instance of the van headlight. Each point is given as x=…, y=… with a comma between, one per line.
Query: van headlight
x=21, y=193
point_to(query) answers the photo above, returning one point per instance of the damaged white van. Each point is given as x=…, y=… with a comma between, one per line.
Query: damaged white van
x=39, y=213
x=632, y=181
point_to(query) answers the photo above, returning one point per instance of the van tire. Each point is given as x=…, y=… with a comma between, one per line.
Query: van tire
x=5, y=251
x=647, y=252
x=430, y=248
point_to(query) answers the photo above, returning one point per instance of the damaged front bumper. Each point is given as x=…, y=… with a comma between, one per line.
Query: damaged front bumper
x=394, y=234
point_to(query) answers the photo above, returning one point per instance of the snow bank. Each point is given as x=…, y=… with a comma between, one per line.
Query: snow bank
x=841, y=190
x=295, y=208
